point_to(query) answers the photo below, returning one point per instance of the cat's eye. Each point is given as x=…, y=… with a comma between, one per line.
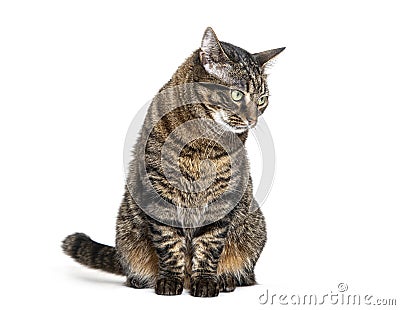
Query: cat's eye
x=262, y=100
x=236, y=95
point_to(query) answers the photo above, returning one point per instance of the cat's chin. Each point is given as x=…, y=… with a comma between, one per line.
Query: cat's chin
x=219, y=118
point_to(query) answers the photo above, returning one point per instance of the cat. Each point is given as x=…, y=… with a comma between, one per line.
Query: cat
x=199, y=228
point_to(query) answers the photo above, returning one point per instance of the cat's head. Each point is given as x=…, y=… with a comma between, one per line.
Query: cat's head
x=245, y=95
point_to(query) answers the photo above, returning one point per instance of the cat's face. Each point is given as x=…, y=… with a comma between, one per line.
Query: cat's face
x=244, y=96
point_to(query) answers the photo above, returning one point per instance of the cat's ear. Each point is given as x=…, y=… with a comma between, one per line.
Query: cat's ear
x=212, y=56
x=263, y=59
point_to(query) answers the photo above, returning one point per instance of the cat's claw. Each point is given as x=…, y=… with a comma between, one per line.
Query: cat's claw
x=169, y=286
x=204, y=287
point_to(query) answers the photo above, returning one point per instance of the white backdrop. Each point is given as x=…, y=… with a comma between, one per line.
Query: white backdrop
x=74, y=73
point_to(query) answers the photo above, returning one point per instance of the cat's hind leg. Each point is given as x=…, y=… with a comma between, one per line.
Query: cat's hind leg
x=235, y=270
x=242, y=249
x=141, y=265
x=135, y=250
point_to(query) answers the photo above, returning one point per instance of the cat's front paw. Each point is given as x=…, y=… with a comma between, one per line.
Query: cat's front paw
x=204, y=287
x=169, y=286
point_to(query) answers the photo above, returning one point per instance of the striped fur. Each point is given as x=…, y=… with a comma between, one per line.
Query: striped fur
x=191, y=238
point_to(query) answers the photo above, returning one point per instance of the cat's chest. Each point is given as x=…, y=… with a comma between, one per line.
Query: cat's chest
x=205, y=164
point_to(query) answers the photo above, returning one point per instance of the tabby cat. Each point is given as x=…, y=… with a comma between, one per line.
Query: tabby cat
x=188, y=218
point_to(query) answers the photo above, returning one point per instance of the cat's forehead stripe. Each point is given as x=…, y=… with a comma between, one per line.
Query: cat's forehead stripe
x=255, y=84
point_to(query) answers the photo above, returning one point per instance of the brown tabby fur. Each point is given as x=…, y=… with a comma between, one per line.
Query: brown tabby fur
x=159, y=252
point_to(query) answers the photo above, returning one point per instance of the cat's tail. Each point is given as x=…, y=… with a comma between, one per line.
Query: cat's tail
x=92, y=254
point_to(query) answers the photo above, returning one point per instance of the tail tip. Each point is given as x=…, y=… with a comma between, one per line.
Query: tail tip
x=71, y=243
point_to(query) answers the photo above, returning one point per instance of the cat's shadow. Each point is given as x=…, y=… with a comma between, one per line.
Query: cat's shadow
x=89, y=278
x=98, y=278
